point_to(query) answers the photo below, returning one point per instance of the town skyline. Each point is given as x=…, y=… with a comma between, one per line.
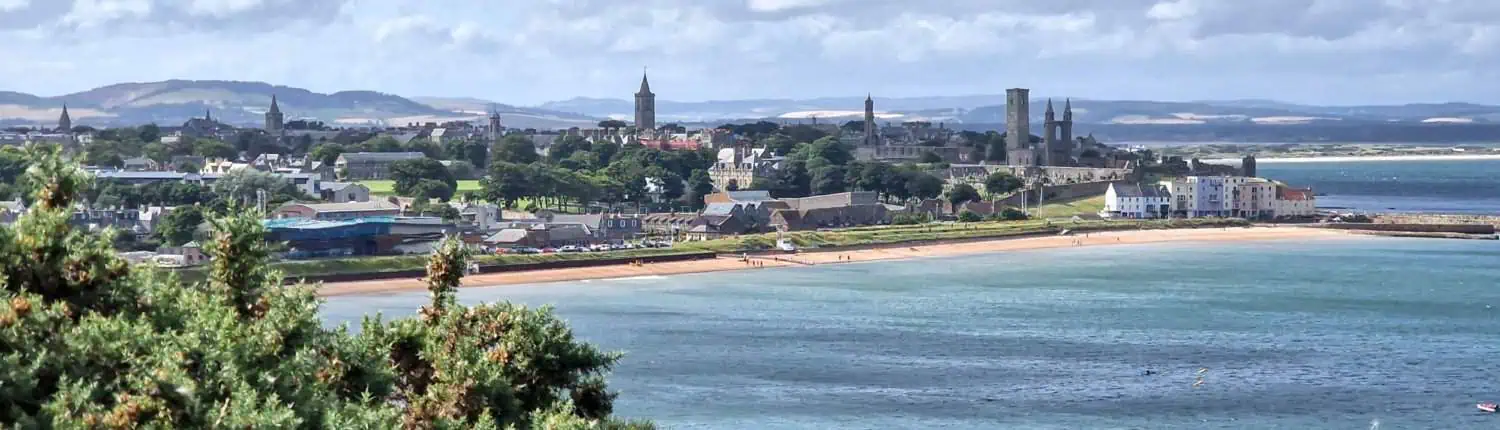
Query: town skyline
x=1328, y=53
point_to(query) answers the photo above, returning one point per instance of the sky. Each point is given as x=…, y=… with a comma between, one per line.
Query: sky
x=526, y=52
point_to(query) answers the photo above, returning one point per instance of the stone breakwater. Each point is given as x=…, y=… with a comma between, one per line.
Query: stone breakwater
x=1454, y=219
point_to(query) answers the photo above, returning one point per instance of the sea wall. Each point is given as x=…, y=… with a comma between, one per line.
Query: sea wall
x=1437, y=219
x=1416, y=228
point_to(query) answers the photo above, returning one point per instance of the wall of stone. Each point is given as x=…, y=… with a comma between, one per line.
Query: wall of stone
x=1419, y=228
x=1437, y=219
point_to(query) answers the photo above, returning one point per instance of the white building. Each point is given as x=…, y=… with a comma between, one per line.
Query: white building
x=1136, y=202
x=1199, y=196
x=1294, y=202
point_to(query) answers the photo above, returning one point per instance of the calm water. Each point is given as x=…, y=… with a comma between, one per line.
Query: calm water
x=1449, y=186
x=1341, y=334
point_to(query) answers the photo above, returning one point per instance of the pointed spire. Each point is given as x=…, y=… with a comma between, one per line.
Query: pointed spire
x=274, y=107
x=645, y=85
x=1049, y=106
x=208, y=114
x=869, y=97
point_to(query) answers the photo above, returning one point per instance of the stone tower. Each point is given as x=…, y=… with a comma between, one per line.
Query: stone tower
x=208, y=115
x=1049, y=137
x=1247, y=165
x=871, y=139
x=1018, y=150
x=494, y=127
x=1067, y=125
x=64, y=122
x=274, y=119
x=645, y=108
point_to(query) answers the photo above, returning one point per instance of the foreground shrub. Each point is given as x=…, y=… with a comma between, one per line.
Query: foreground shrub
x=87, y=342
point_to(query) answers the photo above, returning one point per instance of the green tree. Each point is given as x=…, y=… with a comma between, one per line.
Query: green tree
x=407, y=173
x=517, y=149
x=328, y=153
x=381, y=143
x=969, y=216
x=506, y=183
x=429, y=189
x=149, y=133
x=996, y=147
x=699, y=185
x=1000, y=183
x=214, y=148
x=244, y=186
x=90, y=342
x=962, y=193
x=564, y=146
x=924, y=186
x=425, y=146
x=178, y=226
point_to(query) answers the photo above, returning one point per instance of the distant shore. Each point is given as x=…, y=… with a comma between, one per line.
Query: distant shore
x=1354, y=158
x=820, y=257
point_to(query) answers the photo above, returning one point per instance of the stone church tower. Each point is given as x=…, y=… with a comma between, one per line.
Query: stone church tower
x=1018, y=150
x=645, y=108
x=871, y=139
x=1049, y=137
x=65, y=122
x=1067, y=126
x=274, y=120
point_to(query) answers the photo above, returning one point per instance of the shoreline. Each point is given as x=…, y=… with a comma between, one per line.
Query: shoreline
x=840, y=256
x=1357, y=158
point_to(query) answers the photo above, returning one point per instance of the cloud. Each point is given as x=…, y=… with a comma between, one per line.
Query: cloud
x=528, y=51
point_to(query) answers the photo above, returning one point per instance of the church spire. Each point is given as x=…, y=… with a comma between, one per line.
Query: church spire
x=1068, y=109
x=64, y=122
x=274, y=107
x=208, y=115
x=645, y=84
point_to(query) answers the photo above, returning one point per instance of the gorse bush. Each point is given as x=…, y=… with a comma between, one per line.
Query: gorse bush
x=87, y=342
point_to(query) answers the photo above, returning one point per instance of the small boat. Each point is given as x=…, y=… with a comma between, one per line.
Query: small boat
x=1488, y=407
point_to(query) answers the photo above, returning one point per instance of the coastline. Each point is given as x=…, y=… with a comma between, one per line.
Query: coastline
x=1355, y=158
x=878, y=253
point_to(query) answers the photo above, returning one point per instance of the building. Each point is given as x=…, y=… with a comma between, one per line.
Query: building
x=275, y=121
x=1251, y=198
x=1137, y=202
x=344, y=192
x=541, y=235
x=336, y=211
x=11, y=210
x=1018, y=150
x=605, y=227
x=308, y=183
x=1199, y=196
x=871, y=137
x=358, y=166
x=645, y=108
x=140, y=164
x=311, y=238
x=739, y=166
x=829, y=210
x=189, y=254
x=483, y=216
x=139, y=178
x=1294, y=202
x=1057, y=149
x=65, y=122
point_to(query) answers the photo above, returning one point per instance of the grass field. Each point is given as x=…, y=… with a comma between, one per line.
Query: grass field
x=386, y=187
x=1069, y=208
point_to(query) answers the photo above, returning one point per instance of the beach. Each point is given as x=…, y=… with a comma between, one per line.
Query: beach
x=819, y=257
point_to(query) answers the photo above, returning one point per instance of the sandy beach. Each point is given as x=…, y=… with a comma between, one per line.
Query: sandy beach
x=725, y=263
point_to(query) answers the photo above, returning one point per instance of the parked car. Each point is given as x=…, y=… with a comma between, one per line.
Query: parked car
x=570, y=248
x=549, y=250
x=524, y=250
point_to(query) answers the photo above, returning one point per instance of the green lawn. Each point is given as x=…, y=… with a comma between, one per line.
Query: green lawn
x=386, y=187
x=1069, y=208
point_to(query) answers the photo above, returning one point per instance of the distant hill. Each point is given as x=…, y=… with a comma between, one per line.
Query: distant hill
x=510, y=116
x=239, y=103
x=991, y=109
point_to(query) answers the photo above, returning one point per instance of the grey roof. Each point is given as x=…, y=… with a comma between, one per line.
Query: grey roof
x=367, y=157
x=567, y=232
x=509, y=235
x=349, y=206
x=749, y=195
x=590, y=220
x=336, y=186
x=1139, y=191
x=719, y=209
x=115, y=174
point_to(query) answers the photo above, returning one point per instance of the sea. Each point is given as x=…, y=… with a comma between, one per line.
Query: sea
x=1347, y=333
x=1415, y=186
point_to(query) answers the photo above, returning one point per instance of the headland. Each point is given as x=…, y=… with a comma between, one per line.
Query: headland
x=878, y=252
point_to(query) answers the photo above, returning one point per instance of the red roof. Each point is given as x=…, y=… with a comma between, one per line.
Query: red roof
x=1296, y=194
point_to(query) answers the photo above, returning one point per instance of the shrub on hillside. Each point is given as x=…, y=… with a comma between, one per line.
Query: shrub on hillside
x=910, y=219
x=969, y=216
x=87, y=342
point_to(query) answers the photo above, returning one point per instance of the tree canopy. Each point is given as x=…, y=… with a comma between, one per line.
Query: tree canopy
x=89, y=341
